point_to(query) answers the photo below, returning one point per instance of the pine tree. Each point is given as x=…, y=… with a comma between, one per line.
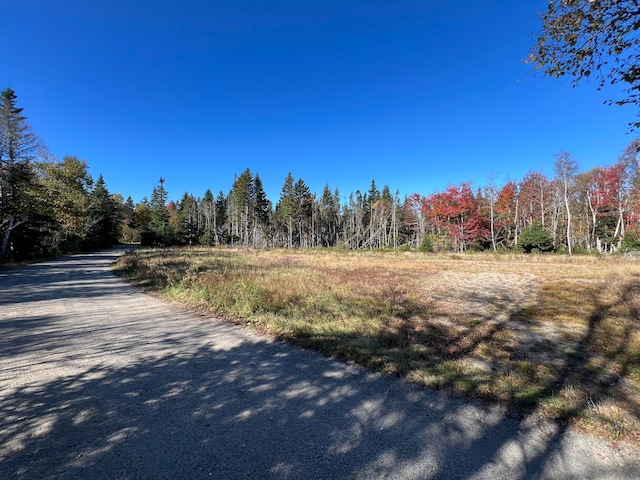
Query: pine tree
x=188, y=229
x=143, y=221
x=329, y=221
x=207, y=211
x=535, y=239
x=129, y=228
x=286, y=208
x=241, y=203
x=303, y=213
x=17, y=145
x=221, y=218
x=262, y=213
x=160, y=231
x=103, y=220
x=385, y=217
x=369, y=200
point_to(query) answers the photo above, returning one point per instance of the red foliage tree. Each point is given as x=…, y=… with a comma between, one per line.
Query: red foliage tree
x=457, y=212
x=506, y=209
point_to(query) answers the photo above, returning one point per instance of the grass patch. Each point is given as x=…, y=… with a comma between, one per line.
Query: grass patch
x=544, y=332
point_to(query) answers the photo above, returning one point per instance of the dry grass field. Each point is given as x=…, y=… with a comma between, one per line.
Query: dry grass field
x=551, y=335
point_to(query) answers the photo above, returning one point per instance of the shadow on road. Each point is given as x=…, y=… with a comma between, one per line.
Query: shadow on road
x=88, y=395
x=77, y=276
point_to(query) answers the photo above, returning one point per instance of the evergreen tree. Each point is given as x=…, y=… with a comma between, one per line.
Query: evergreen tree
x=221, y=217
x=18, y=207
x=103, y=218
x=129, y=228
x=285, y=210
x=207, y=211
x=329, y=217
x=385, y=219
x=535, y=239
x=262, y=212
x=174, y=224
x=303, y=212
x=188, y=229
x=143, y=221
x=241, y=203
x=369, y=200
x=160, y=231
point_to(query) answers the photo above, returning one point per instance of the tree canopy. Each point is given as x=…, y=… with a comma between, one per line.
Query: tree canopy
x=50, y=207
x=587, y=38
x=17, y=144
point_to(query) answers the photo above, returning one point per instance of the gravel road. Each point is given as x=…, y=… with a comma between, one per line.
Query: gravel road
x=100, y=381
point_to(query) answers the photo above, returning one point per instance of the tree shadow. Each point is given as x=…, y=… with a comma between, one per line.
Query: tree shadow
x=598, y=381
x=599, y=375
x=76, y=276
x=257, y=410
x=87, y=393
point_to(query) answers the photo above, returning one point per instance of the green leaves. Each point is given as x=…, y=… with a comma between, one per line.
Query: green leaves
x=584, y=38
x=20, y=216
x=536, y=239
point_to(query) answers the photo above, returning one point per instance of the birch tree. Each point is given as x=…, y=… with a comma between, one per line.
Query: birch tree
x=566, y=168
x=491, y=197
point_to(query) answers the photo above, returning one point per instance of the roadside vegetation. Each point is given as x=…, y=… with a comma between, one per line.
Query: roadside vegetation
x=553, y=335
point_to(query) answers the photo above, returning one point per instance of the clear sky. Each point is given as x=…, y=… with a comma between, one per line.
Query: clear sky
x=414, y=94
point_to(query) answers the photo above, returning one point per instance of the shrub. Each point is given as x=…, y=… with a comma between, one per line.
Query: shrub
x=630, y=242
x=579, y=250
x=426, y=246
x=535, y=239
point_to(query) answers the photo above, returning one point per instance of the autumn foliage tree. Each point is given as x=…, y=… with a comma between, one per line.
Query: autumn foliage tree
x=506, y=209
x=51, y=207
x=458, y=214
x=604, y=196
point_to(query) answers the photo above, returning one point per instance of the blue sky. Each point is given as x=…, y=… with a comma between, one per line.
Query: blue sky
x=414, y=94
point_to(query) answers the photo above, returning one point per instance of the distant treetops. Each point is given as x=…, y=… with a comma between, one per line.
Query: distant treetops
x=48, y=207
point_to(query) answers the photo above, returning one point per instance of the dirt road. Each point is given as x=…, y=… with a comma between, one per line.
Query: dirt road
x=98, y=381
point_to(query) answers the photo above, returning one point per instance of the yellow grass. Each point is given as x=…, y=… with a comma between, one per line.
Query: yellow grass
x=556, y=334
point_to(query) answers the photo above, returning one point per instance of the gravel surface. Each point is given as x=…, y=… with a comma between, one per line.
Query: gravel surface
x=99, y=381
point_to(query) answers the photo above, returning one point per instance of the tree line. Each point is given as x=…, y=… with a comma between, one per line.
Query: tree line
x=49, y=207
x=593, y=211
x=576, y=212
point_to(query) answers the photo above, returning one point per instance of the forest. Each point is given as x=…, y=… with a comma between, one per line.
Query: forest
x=49, y=207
